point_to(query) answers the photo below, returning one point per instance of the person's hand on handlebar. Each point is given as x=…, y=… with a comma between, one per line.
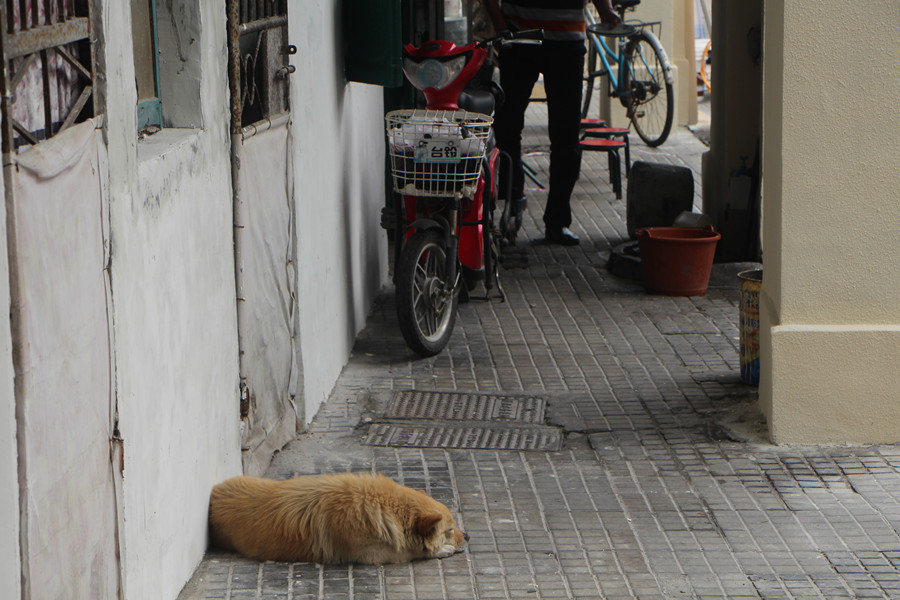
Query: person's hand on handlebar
x=607, y=14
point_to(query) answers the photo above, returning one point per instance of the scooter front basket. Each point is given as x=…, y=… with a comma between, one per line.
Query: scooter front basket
x=436, y=152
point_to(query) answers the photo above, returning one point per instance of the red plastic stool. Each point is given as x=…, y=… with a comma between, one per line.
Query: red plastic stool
x=612, y=132
x=585, y=123
x=611, y=147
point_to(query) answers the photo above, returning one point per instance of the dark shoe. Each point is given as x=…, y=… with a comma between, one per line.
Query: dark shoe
x=561, y=236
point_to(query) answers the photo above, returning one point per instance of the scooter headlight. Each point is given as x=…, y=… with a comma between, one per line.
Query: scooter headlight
x=432, y=73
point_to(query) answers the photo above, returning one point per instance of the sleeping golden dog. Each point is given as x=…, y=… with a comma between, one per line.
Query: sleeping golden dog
x=343, y=518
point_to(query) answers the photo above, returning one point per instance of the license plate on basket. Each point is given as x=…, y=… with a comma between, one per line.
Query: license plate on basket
x=437, y=151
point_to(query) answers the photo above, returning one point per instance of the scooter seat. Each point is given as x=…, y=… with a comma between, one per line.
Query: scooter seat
x=477, y=100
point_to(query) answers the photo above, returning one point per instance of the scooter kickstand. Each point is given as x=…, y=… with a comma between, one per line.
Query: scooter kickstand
x=499, y=286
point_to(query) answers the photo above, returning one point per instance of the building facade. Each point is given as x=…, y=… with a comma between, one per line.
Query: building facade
x=184, y=280
x=187, y=261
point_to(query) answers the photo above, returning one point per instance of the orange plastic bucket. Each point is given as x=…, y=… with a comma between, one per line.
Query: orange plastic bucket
x=677, y=261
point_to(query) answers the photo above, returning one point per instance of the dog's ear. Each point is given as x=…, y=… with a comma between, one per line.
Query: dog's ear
x=426, y=523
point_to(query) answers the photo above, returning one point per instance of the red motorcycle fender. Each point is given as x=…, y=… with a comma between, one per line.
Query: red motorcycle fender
x=471, y=240
x=424, y=223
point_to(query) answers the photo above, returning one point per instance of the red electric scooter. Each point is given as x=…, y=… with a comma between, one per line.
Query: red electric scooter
x=445, y=168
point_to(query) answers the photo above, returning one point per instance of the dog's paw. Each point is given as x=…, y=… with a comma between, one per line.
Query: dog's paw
x=447, y=550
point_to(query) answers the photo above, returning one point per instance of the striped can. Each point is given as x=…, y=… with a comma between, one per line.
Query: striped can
x=750, y=283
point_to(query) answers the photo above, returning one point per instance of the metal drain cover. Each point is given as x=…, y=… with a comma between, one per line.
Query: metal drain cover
x=461, y=437
x=454, y=420
x=466, y=407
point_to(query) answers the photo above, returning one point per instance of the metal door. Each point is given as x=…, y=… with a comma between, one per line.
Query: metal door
x=54, y=166
x=265, y=237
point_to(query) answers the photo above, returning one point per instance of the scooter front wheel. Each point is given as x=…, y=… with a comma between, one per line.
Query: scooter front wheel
x=426, y=301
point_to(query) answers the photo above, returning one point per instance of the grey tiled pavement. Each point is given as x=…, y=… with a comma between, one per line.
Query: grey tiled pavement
x=665, y=486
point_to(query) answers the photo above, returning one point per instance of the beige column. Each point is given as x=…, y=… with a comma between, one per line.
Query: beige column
x=830, y=303
x=682, y=57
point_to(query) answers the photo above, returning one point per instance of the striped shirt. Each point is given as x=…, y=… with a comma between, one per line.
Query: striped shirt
x=560, y=19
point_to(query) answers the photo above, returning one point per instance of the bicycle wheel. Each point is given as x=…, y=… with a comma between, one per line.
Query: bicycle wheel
x=647, y=80
x=590, y=77
x=511, y=215
x=426, y=302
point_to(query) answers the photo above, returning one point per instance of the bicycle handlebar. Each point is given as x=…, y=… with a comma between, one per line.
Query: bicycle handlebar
x=508, y=36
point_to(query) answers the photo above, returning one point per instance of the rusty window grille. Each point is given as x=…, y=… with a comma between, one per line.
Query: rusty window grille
x=259, y=69
x=48, y=68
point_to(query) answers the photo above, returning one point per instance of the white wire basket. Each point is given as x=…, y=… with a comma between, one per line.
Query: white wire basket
x=436, y=152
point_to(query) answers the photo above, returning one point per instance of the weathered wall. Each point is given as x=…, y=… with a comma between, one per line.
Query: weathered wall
x=830, y=333
x=9, y=484
x=174, y=301
x=339, y=190
x=173, y=309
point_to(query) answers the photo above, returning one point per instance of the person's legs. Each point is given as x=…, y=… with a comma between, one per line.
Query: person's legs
x=563, y=68
x=518, y=72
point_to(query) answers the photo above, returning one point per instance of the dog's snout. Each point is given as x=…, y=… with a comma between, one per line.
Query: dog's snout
x=465, y=536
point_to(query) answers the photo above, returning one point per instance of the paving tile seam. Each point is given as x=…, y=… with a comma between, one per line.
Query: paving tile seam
x=759, y=548
x=606, y=535
x=459, y=515
x=813, y=543
x=863, y=570
x=582, y=546
x=606, y=532
x=486, y=512
x=709, y=512
x=512, y=501
x=633, y=519
x=455, y=488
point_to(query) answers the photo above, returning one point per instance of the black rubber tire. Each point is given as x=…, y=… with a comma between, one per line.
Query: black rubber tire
x=426, y=321
x=651, y=102
x=508, y=229
x=487, y=240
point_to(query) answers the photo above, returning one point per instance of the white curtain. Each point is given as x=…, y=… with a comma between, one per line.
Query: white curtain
x=64, y=387
x=267, y=307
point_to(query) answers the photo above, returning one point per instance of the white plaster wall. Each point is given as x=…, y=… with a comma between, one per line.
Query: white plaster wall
x=338, y=131
x=177, y=360
x=830, y=338
x=9, y=484
x=175, y=315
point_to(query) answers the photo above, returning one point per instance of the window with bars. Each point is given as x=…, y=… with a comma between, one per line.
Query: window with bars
x=48, y=68
x=166, y=41
x=259, y=60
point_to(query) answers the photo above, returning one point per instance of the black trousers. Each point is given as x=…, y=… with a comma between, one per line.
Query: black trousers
x=562, y=64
